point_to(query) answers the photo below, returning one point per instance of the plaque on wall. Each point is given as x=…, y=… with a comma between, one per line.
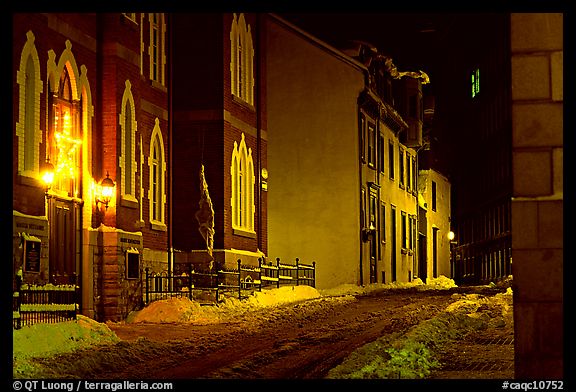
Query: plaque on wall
x=32, y=246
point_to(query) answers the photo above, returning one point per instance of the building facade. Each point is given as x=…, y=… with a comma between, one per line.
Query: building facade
x=220, y=124
x=345, y=130
x=91, y=106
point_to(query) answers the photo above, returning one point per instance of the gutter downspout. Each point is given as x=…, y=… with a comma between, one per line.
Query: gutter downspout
x=170, y=155
x=258, y=128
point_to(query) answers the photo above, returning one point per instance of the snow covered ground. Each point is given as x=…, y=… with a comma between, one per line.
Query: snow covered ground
x=47, y=340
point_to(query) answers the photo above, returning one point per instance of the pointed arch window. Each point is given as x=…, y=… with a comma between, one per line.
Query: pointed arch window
x=243, y=180
x=65, y=136
x=242, y=60
x=157, y=179
x=28, y=125
x=127, y=159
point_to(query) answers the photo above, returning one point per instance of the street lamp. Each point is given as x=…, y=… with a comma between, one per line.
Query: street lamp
x=106, y=191
x=47, y=174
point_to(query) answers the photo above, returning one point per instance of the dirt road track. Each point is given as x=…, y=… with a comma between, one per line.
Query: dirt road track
x=314, y=337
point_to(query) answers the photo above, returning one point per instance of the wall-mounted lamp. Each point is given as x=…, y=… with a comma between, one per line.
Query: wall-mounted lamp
x=451, y=237
x=47, y=174
x=106, y=191
x=367, y=232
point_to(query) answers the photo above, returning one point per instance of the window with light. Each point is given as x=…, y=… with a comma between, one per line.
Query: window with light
x=243, y=180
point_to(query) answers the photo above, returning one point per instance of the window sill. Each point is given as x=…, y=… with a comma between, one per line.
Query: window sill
x=158, y=85
x=158, y=226
x=243, y=103
x=29, y=179
x=129, y=201
x=244, y=233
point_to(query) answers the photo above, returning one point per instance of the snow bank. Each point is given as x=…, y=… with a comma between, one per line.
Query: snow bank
x=440, y=283
x=183, y=310
x=41, y=340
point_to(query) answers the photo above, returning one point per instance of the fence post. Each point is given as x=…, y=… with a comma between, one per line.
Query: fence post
x=239, y=280
x=147, y=287
x=18, y=300
x=260, y=273
x=297, y=272
x=314, y=274
x=278, y=272
x=190, y=285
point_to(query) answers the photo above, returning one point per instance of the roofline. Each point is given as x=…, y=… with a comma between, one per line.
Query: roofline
x=319, y=43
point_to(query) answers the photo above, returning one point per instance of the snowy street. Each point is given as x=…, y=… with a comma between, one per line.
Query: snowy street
x=374, y=332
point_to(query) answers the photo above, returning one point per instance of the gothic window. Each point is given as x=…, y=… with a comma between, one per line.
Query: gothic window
x=127, y=161
x=28, y=125
x=242, y=173
x=242, y=60
x=157, y=179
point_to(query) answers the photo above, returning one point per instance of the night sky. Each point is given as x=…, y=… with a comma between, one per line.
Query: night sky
x=436, y=43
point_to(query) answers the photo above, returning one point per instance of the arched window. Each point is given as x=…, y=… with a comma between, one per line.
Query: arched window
x=28, y=125
x=157, y=179
x=127, y=159
x=242, y=173
x=242, y=60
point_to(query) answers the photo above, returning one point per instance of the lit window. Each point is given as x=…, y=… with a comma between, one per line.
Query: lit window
x=157, y=166
x=475, y=82
x=242, y=173
x=242, y=60
x=127, y=158
x=28, y=125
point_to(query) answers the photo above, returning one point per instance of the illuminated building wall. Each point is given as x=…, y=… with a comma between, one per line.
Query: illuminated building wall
x=85, y=99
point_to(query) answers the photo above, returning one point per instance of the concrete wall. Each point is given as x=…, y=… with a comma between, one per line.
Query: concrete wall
x=313, y=188
x=537, y=205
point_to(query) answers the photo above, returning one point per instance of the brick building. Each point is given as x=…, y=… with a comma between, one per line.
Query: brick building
x=90, y=102
x=220, y=123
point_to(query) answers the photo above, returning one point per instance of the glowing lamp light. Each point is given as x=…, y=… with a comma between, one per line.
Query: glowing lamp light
x=47, y=174
x=106, y=191
x=450, y=235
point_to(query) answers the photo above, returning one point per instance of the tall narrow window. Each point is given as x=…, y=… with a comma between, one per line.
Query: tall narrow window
x=475, y=79
x=403, y=228
x=243, y=180
x=391, y=159
x=157, y=179
x=401, y=167
x=371, y=145
x=381, y=148
x=127, y=159
x=383, y=223
x=242, y=60
x=433, y=196
x=28, y=125
x=156, y=50
x=363, y=138
x=408, y=174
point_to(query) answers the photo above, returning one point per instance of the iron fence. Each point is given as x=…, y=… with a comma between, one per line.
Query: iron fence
x=208, y=287
x=33, y=304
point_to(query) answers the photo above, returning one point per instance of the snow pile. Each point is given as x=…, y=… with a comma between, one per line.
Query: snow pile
x=412, y=355
x=183, y=310
x=439, y=283
x=46, y=340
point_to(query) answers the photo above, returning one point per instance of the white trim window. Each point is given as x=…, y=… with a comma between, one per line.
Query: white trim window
x=157, y=179
x=243, y=180
x=156, y=49
x=127, y=159
x=28, y=125
x=242, y=60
